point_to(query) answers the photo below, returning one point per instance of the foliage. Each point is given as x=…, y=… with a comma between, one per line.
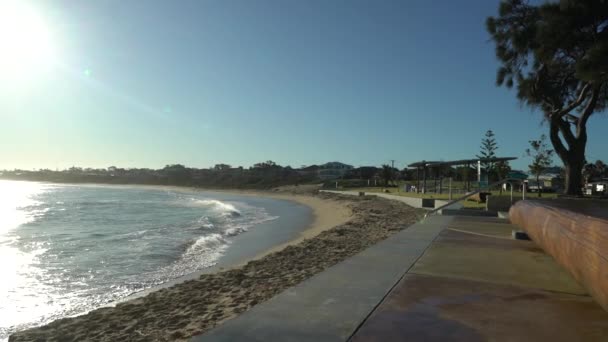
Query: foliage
x=363, y=172
x=502, y=169
x=555, y=55
x=541, y=158
x=221, y=167
x=488, y=150
x=222, y=176
x=387, y=174
x=595, y=171
x=265, y=165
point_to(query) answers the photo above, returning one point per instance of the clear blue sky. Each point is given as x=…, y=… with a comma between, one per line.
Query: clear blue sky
x=149, y=83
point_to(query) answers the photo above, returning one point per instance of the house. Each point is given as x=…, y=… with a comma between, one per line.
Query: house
x=599, y=187
x=548, y=181
x=308, y=170
x=333, y=170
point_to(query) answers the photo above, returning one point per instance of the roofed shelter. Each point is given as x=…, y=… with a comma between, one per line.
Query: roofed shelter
x=429, y=166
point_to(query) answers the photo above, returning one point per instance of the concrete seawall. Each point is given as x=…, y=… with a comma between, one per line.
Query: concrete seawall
x=423, y=203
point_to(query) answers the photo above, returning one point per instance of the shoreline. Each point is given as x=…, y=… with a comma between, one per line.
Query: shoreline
x=327, y=214
x=194, y=306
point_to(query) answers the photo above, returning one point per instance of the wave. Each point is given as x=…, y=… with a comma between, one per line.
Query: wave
x=206, y=243
x=220, y=207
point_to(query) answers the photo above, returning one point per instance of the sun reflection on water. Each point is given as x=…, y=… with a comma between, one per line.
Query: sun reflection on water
x=19, y=290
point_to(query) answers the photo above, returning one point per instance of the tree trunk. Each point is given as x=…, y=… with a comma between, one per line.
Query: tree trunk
x=572, y=157
x=574, y=177
x=538, y=185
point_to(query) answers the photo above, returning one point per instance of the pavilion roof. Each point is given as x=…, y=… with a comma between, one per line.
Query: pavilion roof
x=426, y=163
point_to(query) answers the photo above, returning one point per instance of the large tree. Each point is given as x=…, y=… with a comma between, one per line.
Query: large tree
x=556, y=55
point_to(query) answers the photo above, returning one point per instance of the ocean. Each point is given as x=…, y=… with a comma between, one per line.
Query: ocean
x=68, y=249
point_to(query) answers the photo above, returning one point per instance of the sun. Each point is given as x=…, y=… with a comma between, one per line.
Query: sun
x=26, y=44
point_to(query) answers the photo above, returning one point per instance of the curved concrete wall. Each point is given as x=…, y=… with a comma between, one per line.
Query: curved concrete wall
x=575, y=236
x=427, y=203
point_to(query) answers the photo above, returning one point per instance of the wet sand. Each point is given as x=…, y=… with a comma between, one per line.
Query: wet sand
x=342, y=227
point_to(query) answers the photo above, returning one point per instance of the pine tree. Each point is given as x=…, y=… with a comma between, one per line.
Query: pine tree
x=488, y=150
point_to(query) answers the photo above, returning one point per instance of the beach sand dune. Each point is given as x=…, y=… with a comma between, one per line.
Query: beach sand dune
x=342, y=228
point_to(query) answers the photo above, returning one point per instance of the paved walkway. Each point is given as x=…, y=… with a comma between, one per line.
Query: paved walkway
x=447, y=279
x=332, y=304
x=475, y=283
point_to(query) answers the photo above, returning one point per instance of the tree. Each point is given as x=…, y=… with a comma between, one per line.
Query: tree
x=555, y=53
x=601, y=168
x=541, y=159
x=265, y=165
x=502, y=170
x=488, y=150
x=589, y=172
x=594, y=171
x=386, y=174
x=177, y=174
x=221, y=167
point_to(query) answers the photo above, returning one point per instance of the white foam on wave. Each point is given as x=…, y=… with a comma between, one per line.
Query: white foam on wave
x=206, y=243
x=218, y=206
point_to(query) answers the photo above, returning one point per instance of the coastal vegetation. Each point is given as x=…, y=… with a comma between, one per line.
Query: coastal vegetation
x=259, y=176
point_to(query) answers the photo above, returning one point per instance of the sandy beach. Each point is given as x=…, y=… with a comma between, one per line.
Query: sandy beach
x=342, y=227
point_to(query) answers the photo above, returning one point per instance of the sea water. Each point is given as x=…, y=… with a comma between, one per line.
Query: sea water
x=67, y=249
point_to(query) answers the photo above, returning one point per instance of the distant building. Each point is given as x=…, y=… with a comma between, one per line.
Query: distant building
x=333, y=170
x=362, y=172
x=517, y=174
x=597, y=187
x=548, y=181
x=311, y=170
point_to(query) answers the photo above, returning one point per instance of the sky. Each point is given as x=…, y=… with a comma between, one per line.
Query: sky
x=201, y=82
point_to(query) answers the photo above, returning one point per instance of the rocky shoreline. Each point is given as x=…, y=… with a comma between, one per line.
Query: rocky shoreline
x=195, y=306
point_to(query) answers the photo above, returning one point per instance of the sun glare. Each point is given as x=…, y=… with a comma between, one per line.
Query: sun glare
x=26, y=45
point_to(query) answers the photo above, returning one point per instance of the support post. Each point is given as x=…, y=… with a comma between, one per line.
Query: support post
x=424, y=180
x=479, y=175
x=435, y=180
x=467, y=180
x=450, y=188
x=417, y=179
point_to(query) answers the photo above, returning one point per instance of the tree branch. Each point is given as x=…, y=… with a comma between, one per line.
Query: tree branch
x=589, y=108
x=556, y=141
x=574, y=118
x=564, y=127
x=581, y=98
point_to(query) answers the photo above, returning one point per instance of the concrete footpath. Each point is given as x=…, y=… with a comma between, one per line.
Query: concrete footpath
x=447, y=279
x=332, y=304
